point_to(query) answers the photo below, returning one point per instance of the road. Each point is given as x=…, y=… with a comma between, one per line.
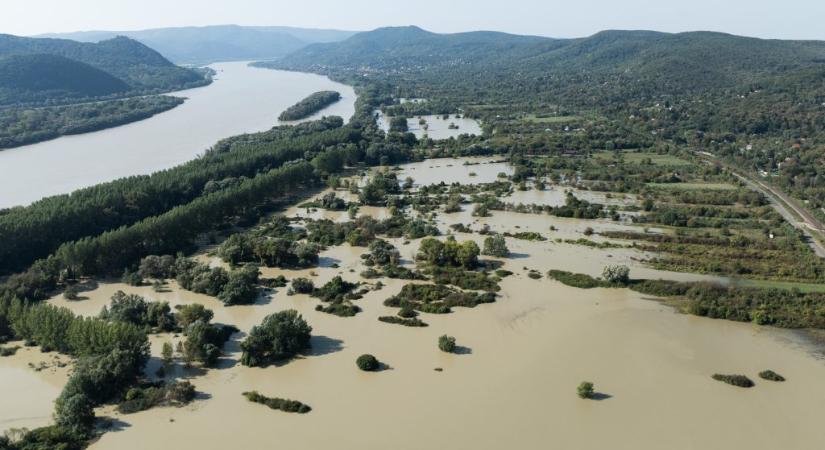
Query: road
x=788, y=207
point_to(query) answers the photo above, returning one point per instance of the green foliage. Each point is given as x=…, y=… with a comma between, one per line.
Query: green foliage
x=303, y=286
x=136, y=310
x=585, y=390
x=734, y=380
x=24, y=126
x=770, y=375
x=310, y=105
x=177, y=393
x=9, y=351
x=281, y=335
x=436, y=298
x=578, y=280
x=449, y=253
x=186, y=315
x=284, y=405
x=495, y=246
x=407, y=322
x=379, y=187
x=368, y=363
x=174, y=199
x=446, y=343
x=59, y=69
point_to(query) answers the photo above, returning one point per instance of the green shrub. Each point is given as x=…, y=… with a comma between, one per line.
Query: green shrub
x=446, y=343
x=578, y=280
x=734, y=380
x=281, y=404
x=177, y=393
x=281, y=335
x=303, y=286
x=8, y=351
x=585, y=390
x=770, y=375
x=367, y=363
x=407, y=322
x=495, y=246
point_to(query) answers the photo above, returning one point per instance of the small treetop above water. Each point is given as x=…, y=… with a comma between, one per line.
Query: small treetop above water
x=585, y=390
x=280, y=335
x=446, y=343
x=368, y=363
x=616, y=274
x=496, y=246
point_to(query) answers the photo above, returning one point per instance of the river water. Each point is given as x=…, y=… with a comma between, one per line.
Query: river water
x=242, y=99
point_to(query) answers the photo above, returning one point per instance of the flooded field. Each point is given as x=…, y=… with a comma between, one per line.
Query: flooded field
x=435, y=126
x=511, y=385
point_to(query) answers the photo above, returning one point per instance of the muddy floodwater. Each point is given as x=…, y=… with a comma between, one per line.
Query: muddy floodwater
x=436, y=127
x=511, y=385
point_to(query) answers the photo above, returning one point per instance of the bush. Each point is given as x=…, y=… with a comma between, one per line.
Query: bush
x=280, y=335
x=368, y=363
x=495, y=246
x=616, y=274
x=407, y=322
x=770, y=375
x=302, y=286
x=734, y=380
x=281, y=404
x=578, y=280
x=585, y=390
x=446, y=343
x=178, y=394
x=71, y=293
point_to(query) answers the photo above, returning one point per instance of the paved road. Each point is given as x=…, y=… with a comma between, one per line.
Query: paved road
x=800, y=217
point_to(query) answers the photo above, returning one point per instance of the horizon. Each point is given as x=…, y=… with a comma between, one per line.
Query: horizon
x=792, y=20
x=217, y=25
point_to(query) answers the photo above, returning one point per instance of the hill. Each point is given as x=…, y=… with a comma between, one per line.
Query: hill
x=202, y=45
x=662, y=62
x=37, y=78
x=412, y=48
x=134, y=63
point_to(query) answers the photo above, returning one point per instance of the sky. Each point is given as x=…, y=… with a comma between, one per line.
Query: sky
x=780, y=19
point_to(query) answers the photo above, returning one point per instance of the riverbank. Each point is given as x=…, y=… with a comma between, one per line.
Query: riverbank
x=241, y=99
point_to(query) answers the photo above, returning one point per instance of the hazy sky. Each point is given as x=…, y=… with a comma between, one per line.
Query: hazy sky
x=786, y=19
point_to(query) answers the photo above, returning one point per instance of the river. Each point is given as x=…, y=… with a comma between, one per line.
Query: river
x=242, y=99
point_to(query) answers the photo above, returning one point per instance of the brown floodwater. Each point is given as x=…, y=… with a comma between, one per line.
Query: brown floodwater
x=513, y=383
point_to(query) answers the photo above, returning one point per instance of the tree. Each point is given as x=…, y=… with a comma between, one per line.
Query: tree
x=616, y=274
x=367, y=363
x=585, y=390
x=75, y=412
x=167, y=353
x=280, y=335
x=496, y=246
x=446, y=343
x=188, y=314
x=241, y=286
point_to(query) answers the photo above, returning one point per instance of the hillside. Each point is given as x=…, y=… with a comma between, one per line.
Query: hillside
x=411, y=48
x=201, y=45
x=132, y=62
x=682, y=62
x=37, y=78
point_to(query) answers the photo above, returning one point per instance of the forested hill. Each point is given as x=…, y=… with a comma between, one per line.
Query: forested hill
x=36, y=78
x=55, y=68
x=201, y=45
x=661, y=62
x=411, y=48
